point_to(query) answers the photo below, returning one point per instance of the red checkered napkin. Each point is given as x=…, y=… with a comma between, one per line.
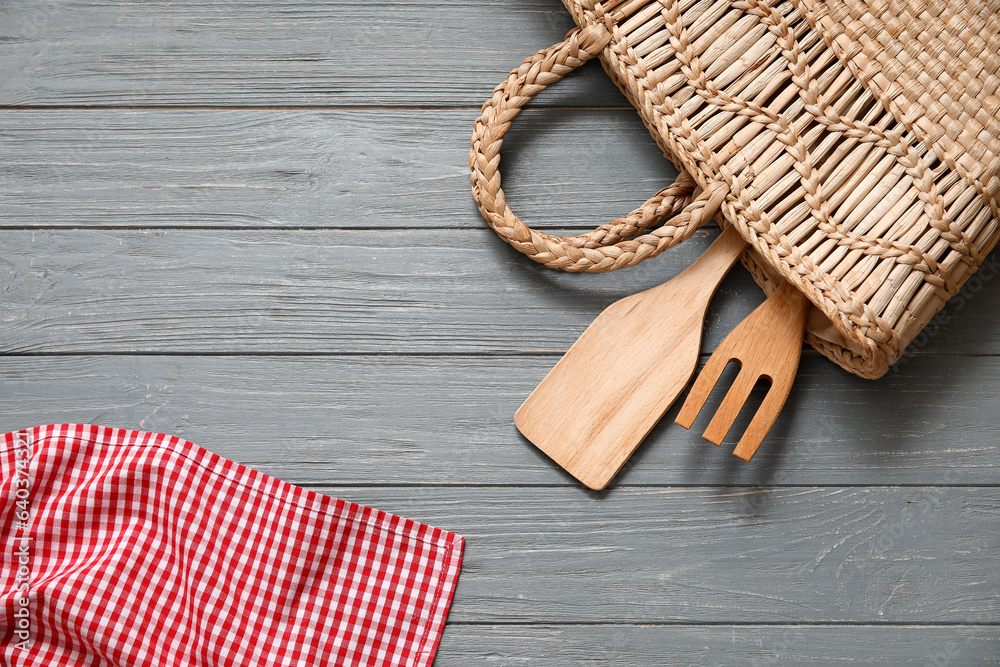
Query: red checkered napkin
x=128, y=548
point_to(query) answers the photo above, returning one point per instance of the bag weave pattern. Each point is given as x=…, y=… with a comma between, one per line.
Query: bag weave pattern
x=857, y=143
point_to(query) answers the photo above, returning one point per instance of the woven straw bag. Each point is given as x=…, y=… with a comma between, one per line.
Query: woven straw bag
x=854, y=144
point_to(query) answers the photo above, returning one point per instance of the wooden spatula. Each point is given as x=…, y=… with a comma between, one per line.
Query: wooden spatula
x=608, y=391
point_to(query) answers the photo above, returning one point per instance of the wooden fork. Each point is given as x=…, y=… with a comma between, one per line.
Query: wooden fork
x=768, y=344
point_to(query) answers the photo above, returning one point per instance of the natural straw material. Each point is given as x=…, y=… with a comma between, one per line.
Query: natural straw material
x=855, y=145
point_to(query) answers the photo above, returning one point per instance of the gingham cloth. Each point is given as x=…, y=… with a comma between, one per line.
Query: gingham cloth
x=129, y=548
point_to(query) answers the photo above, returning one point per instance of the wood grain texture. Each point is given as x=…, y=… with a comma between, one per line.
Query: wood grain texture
x=288, y=52
x=696, y=555
x=766, y=346
x=599, y=402
x=447, y=420
x=718, y=645
x=362, y=169
x=344, y=291
x=284, y=265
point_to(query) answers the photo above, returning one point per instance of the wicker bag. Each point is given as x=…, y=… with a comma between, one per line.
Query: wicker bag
x=856, y=143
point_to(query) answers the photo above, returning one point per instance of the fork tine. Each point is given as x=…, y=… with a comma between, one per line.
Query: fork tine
x=702, y=387
x=766, y=415
x=730, y=407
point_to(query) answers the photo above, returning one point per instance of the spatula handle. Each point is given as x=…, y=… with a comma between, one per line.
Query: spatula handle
x=703, y=276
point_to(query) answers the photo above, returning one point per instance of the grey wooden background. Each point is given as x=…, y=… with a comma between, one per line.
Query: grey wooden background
x=248, y=223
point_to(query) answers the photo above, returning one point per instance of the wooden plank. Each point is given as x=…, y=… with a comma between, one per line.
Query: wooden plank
x=682, y=645
x=286, y=52
x=449, y=420
x=357, y=169
x=297, y=291
x=343, y=291
x=703, y=555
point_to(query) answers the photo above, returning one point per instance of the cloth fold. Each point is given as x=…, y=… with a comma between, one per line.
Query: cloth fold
x=130, y=548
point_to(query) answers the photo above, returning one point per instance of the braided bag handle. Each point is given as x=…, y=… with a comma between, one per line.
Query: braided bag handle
x=610, y=246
